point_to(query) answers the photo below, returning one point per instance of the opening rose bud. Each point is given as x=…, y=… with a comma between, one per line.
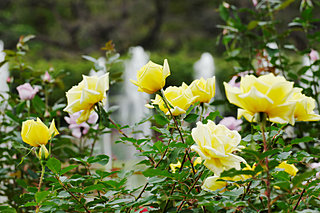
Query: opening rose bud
x=152, y=77
x=36, y=133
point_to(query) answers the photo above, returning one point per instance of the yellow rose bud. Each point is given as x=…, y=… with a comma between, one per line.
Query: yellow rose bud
x=43, y=152
x=86, y=94
x=212, y=184
x=36, y=133
x=152, y=77
x=267, y=93
x=180, y=98
x=304, y=107
x=288, y=168
x=174, y=166
x=203, y=89
x=215, y=145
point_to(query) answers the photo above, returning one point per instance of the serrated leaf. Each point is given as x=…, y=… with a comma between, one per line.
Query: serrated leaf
x=94, y=187
x=191, y=118
x=299, y=178
x=156, y=172
x=101, y=159
x=304, y=139
x=40, y=196
x=67, y=169
x=54, y=165
x=161, y=120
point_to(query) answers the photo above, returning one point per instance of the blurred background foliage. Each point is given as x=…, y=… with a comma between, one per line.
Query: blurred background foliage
x=178, y=30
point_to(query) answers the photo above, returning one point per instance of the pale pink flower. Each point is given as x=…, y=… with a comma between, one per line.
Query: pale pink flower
x=314, y=55
x=233, y=82
x=26, y=91
x=78, y=130
x=314, y=165
x=46, y=77
x=234, y=78
x=231, y=123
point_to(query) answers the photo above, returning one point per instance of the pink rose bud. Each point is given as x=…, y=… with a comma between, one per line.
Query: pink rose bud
x=255, y=2
x=231, y=123
x=46, y=77
x=26, y=92
x=314, y=55
x=9, y=80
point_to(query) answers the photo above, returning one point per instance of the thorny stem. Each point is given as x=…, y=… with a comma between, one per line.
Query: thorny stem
x=41, y=176
x=180, y=133
x=94, y=141
x=194, y=183
x=174, y=185
x=296, y=206
x=40, y=183
x=247, y=190
x=265, y=148
x=78, y=200
x=162, y=156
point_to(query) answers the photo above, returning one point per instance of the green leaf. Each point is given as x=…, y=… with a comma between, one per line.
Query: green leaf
x=299, y=178
x=104, y=116
x=12, y=116
x=94, y=187
x=7, y=209
x=224, y=13
x=284, y=4
x=156, y=172
x=67, y=169
x=161, y=120
x=270, y=152
x=54, y=165
x=191, y=118
x=40, y=196
x=159, y=146
x=252, y=24
x=212, y=116
x=101, y=159
x=38, y=105
x=304, y=139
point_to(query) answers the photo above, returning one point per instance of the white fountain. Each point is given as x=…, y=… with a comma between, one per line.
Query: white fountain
x=104, y=146
x=133, y=102
x=205, y=68
x=132, y=110
x=4, y=74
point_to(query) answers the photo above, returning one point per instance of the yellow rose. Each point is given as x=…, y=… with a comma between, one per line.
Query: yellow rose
x=267, y=93
x=215, y=145
x=152, y=77
x=288, y=168
x=203, y=89
x=36, y=133
x=304, y=107
x=211, y=184
x=180, y=98
x=86, y=94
